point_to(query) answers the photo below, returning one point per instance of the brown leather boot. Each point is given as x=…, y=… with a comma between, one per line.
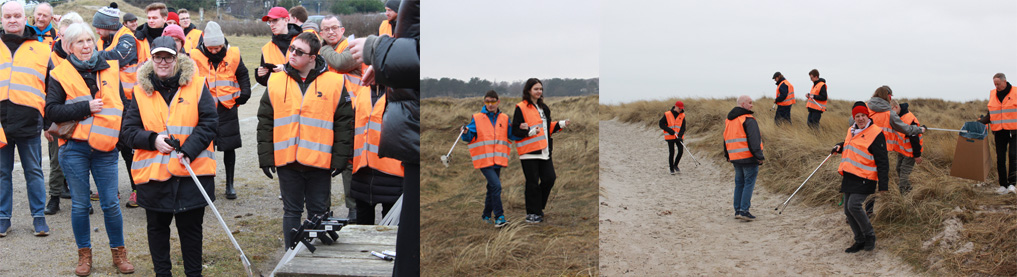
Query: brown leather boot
x=120, y=260
x=84, y=262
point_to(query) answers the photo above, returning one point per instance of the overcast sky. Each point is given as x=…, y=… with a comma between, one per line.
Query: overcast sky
x=934, y=49
x=510, y=40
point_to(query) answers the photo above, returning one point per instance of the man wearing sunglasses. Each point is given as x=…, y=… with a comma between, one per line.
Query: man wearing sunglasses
x=304, y=131
x=490, y=143
x=273, y=54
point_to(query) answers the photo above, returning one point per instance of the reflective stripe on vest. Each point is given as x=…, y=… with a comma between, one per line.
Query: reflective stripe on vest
x=1003, y=115
x=221, y=81
x=903, y=141
x=23, y=74
x=491, y=145
x=177, y=120
x=367, y=136
x=856, y=158
x=128, y=74
x=736, y=142
x=790, y=94
x=102, y=129
x=532, y=118
x=302, y=129
x=675, y=123
x=813, y=104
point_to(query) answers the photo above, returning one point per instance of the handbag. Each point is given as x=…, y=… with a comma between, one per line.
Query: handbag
x=66, y=129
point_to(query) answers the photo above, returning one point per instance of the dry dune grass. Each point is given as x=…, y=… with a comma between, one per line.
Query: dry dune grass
x=454, y=241
x=904, y=222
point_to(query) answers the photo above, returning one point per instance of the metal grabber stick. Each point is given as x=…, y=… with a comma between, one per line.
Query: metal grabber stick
x=690, y=152
x=803, y=184
x=444, y=158
x=949, y=130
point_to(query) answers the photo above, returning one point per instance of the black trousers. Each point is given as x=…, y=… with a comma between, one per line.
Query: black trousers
x=672, y=161
x=814, y=117
x=1006, y=148
x=299, y=189
x=539, y=181
x=189, y=229
x=408, y=239
x=783, y=115
x=365, y=216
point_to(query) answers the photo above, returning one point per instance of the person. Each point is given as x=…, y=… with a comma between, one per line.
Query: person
x=131, y=21
x=340, y=60
x=42, y=23
x=1002, y=119
x=21, y=111
x=391, y=14
x=177, y=33
x=817, y=99
x=881, y=116
x=865, y=167
x=191, y=31
x=376, y=180
x=490, y=144
x=118, y=42
x=298, y=15
x=226, y=77
x=57, y=183
x=909, y=148
x=172, y=18
x=171, y=122
x=532, y=122
x=304, y=132
x=784, y=99
x=743, y=147
x=274, y=55
x=673, y=126
x=86, y=90
x=156, y=14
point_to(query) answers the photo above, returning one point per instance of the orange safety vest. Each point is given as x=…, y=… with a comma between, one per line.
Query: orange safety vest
x=532, y=118
x=882, y=120
x=385, y=28
x=491, y=145
x=1003, y=115
x=856, y=158
x=128, y=74
x=54, y=58
x=903, y=141
x=221, y=81
x=177, y=120
x=675, y=123
x=101, y=130
x=144, y=50
x=368, y=136
x=351, y=80
x=192, y=38
x=303, y=129
x=790, y=94
x=273, y=55
x=736, y=142
x=813, y=104
x=26, y=69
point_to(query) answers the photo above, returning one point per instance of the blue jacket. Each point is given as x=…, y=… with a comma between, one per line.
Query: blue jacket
x=493, y=116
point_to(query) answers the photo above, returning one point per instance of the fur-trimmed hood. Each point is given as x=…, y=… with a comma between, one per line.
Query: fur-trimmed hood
x=185, y=66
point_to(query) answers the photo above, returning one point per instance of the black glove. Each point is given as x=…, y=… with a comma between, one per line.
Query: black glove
x=837, y=148
x=336, y=172
x=268, y=171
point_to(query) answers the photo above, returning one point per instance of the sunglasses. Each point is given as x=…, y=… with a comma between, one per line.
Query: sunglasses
x=297, y=52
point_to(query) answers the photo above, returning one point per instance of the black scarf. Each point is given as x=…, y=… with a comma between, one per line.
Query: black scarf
x=167, y=87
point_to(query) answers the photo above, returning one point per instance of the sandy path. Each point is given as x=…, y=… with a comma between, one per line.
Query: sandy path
x=652, y=223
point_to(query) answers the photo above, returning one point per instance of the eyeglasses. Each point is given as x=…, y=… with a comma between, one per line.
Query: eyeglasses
x=163, y=59
x=331, y=29
x=297, y=52
x=490, y=102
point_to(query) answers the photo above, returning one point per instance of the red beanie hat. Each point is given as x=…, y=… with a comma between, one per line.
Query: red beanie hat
x=173, y=17
x=860, y=107
x=679, y=104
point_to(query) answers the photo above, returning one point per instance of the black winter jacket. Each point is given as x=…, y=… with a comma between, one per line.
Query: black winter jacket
x=281, y=41
x=916, y=145
x=20, y=121
x=57, y=111
x=228, y=137
x=854, y=184
x=822, y=93
x=178, y=194
x=663, y=125
x=518, y=119
x=752, y=135
x=783, y=91
x=396, y=63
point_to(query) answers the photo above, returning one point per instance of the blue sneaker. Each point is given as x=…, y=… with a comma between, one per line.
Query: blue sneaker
x=747, y=216
x=500, y=222
x=4, y=225
x=486, y=219
x=41, y=229
x=738, y=215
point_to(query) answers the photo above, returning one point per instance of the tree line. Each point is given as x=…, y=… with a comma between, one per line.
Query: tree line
x=476, y=87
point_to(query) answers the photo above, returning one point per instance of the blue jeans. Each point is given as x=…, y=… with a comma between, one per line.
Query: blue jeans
x=78, y=159
x=30, y=151
x=492, y=203
x=745, y=181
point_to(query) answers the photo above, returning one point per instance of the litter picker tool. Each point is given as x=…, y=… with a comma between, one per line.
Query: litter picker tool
x=247, y=263
x=949, y=130
x=690, y=152
x=446, y=157
x=803, y=184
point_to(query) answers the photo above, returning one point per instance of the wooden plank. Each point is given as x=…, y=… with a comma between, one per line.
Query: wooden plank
x=349, y=256
x=336, y=267
x=345, y=250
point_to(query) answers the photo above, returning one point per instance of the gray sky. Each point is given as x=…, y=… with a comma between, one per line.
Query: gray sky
x=510, y=40
x=715, y=49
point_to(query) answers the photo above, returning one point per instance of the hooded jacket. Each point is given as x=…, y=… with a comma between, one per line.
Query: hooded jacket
x=396, y=64
x=916, y=144
x=878, y=105
x=228, y=137
x=20, y=121
x=751, y=134
x=177, y=194
x=283, y=42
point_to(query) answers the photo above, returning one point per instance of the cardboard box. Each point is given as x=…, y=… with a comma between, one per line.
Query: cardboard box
x=971, y=159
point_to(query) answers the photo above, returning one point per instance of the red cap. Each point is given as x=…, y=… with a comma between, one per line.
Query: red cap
x=860, y=109
x=276, y=12
x=173, y=17
x=679, y=104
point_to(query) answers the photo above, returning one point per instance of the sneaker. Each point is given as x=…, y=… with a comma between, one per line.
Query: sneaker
x=53, y=206
x=747, y=216
x=532, y=218
x=4, y=225
x=672, y=171
x=41, y=229
x=678, y=170
x=486, y=219
x=132, y=202
x=1012, y=189
x=855, y=247
x=500, y=222
x=1002, y=190
x=738, y=215
x=94, y=197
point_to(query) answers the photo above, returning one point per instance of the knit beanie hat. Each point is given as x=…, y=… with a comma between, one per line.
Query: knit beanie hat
x=108, y=18
x=173, y=17
x=859, y=107
x=392, y=4
x=174, y=31
x=213, y=34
